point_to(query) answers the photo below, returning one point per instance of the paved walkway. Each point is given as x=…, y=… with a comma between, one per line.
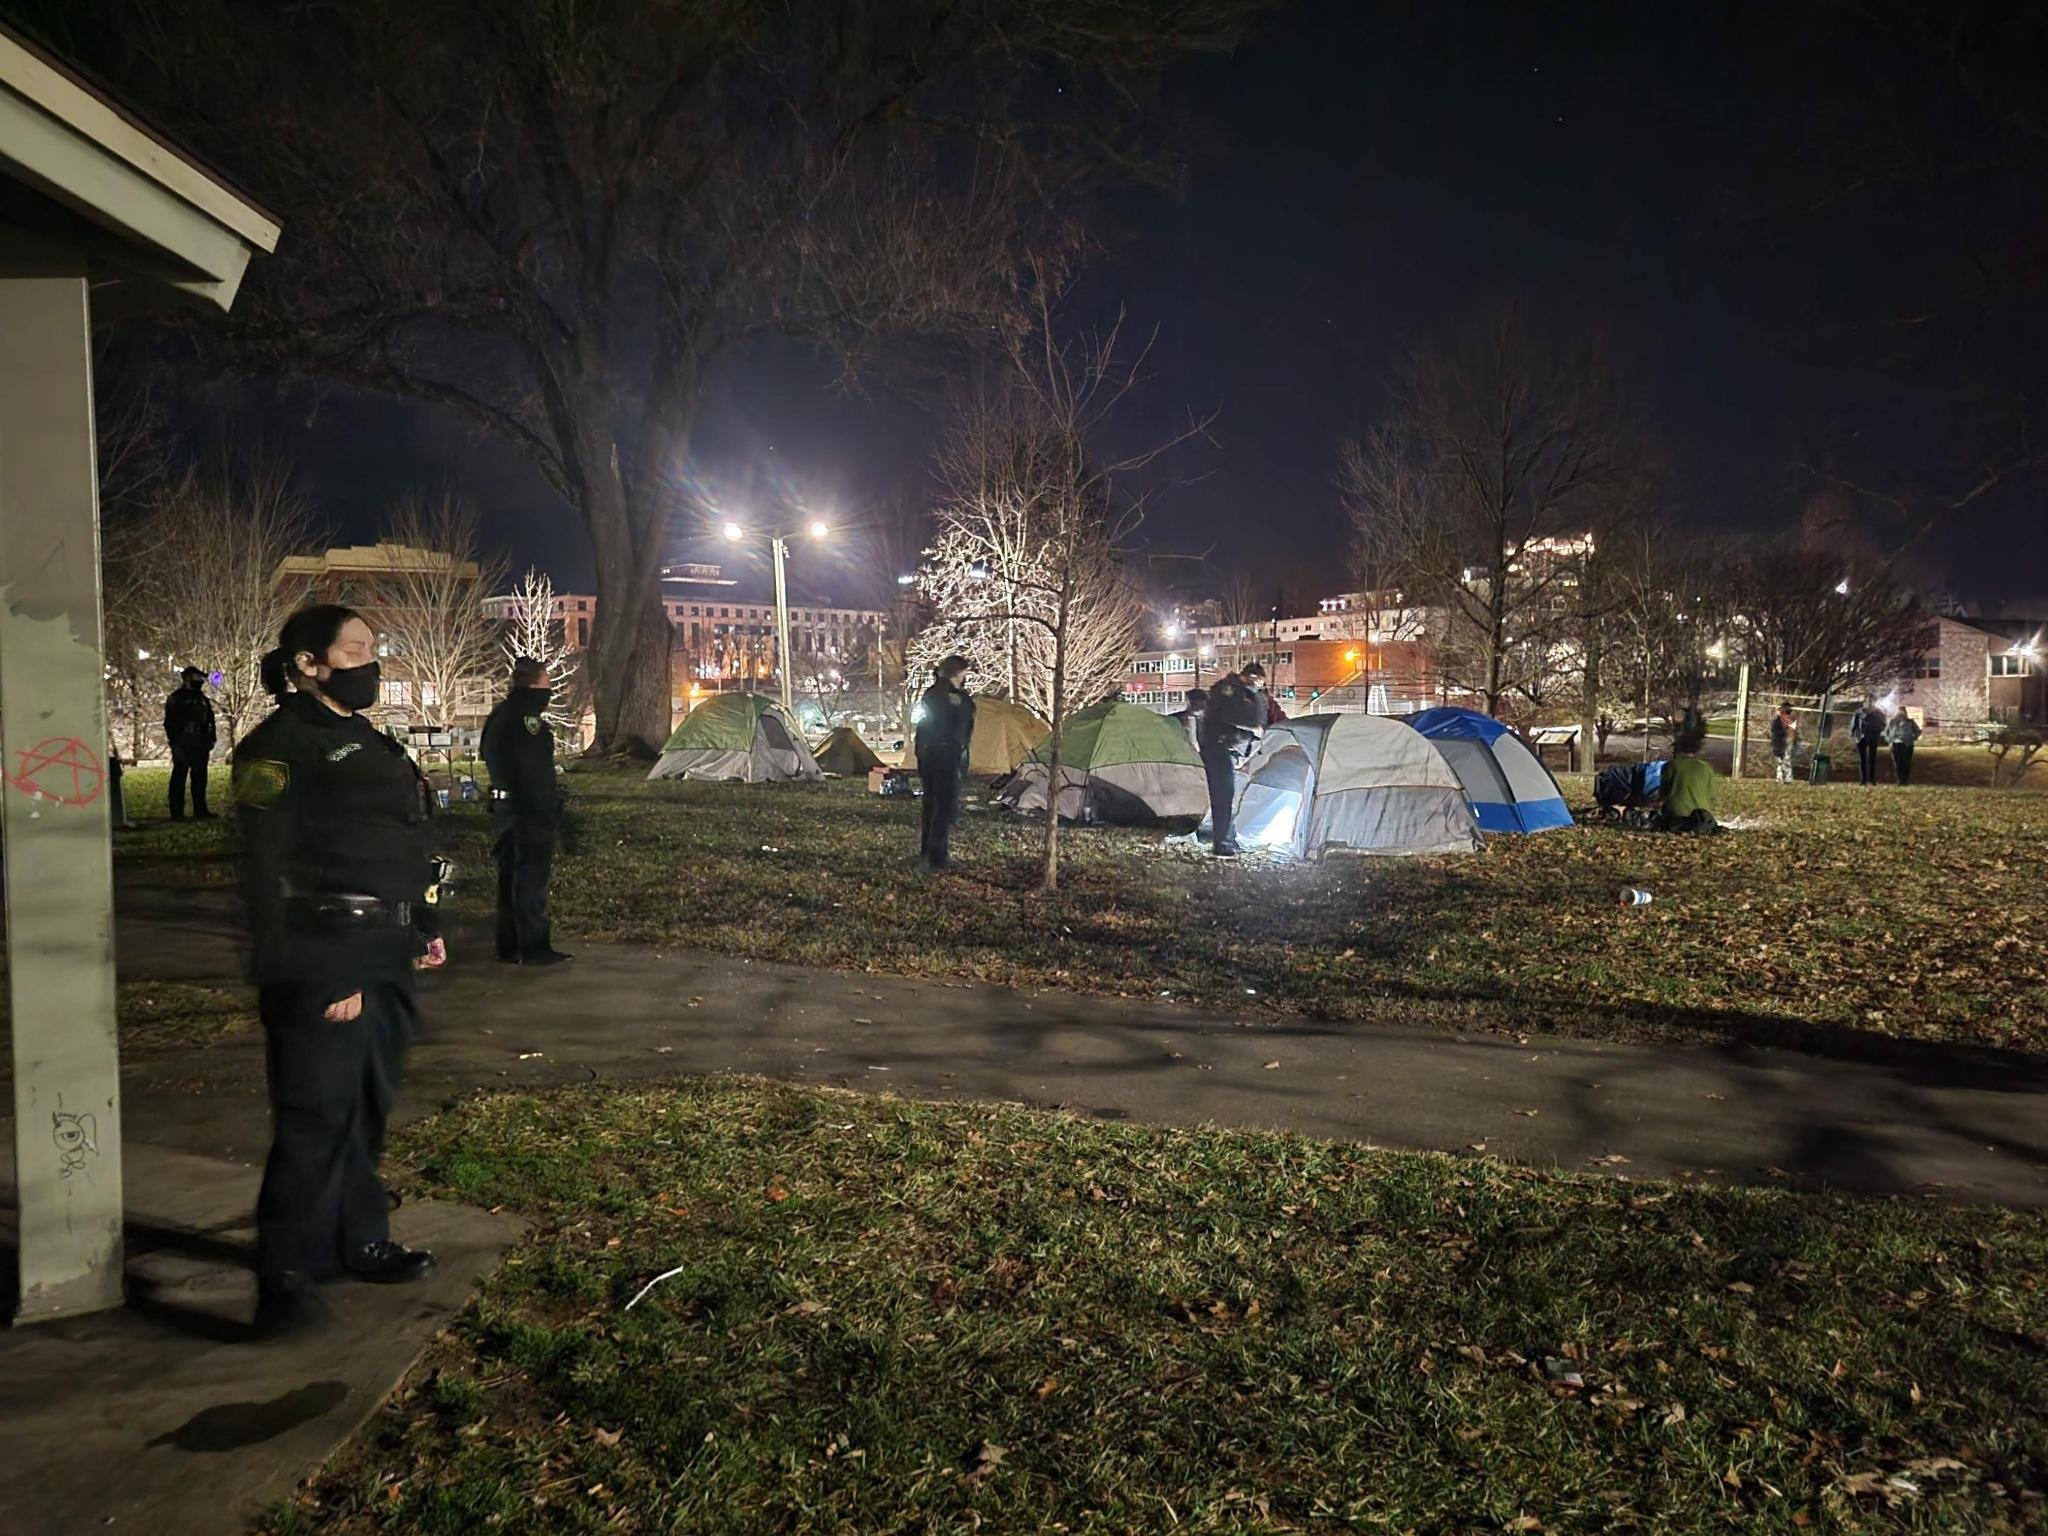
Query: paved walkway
x=163, y=1419
x=1925, y=1121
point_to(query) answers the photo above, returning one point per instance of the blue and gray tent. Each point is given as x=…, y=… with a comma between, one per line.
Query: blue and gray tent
x=1506, y=784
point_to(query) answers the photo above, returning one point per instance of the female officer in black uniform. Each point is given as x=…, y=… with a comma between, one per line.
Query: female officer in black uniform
x=337, y=866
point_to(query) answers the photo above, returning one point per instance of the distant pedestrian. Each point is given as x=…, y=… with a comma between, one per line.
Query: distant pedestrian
x=1784, y=737
x=1902, y=733
x=1190, y=718
x=1233, y=716
x=945, y=727
x=190, y=731
x=519, y=749
x=1866, y=729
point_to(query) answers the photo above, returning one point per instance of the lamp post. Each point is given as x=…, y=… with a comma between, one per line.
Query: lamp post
x=778, y=544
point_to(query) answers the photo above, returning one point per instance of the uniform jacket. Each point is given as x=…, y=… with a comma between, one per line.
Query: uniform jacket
x=327, y=805
x=1235, y=711
x=188, y=723
x=1866, y=725
x=945, y=723
x=1903, y=731
x=519, y=750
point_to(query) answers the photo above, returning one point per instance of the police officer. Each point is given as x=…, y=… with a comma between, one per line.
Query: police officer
x=1233, y=715
x=945, y=726
x=1190, y=717
x=519, y=750
x=190, y=731
x=339, y=876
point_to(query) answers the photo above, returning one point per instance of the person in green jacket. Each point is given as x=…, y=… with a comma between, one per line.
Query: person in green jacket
x=1903, y=731
x=1688, y=787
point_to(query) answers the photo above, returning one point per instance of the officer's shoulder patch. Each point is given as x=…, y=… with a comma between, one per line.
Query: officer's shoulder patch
x=533, y=725
x=260, y=782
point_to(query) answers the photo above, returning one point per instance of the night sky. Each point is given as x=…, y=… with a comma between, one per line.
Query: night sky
x=1361, y=176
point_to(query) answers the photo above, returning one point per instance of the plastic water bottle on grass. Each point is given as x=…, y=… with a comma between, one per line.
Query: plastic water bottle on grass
x=1634, y=896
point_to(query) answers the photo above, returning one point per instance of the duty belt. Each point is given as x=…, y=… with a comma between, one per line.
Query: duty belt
x=342, y=910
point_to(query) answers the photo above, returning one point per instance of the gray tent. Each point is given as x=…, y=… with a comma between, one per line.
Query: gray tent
x=1354, y=783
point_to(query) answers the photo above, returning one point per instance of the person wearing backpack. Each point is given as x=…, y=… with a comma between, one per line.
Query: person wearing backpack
x=1902, y=733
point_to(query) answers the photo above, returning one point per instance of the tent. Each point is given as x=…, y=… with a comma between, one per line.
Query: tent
x=736, y=736
x=1119, y=763
x=1506, y=784
x=844, y=753
x=1358, y=783
x=1004, y=734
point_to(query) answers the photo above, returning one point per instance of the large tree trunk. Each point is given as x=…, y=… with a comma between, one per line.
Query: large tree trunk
x=630, y=640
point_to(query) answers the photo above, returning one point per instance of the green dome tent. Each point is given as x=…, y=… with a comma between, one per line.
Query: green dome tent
x=736, y=736
x=844, y=753
x=1118, y=763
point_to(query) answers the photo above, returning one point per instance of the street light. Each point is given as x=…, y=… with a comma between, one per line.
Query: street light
x=906, y=581
x=778, y=544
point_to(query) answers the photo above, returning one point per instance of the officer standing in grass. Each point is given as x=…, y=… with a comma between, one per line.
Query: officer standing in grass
x=339, y=877
x=945, y=727
x=190, y=731
x=526, y=805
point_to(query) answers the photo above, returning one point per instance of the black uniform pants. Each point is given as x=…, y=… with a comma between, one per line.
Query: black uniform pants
x=940, y=777
x=524, y=843
x=1220, y=768
x=331, y=1088
x=1866, y=761
x=184, y=765
x=1902, y=761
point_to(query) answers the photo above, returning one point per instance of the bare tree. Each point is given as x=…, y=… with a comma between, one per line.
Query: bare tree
x=206, y=593
x=532, y=630
x=1812, y=621
x=432, y=611
x=826, y=678
x=561, y=219
x=1032, y=522
x=1499, y=460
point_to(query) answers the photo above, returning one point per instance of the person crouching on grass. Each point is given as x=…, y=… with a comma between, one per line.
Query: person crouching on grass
x=1688, y=787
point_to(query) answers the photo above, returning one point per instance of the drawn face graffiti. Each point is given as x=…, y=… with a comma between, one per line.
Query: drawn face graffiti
x=73, y=1136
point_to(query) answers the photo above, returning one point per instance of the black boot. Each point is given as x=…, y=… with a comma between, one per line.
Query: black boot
x=389, y=1263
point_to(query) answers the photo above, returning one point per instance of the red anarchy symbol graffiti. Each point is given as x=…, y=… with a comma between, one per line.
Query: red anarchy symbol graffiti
x=63, y=769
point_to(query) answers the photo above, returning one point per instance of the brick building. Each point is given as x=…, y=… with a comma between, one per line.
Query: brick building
x=374, y=579
x=1976, y=671
x=1311, y=675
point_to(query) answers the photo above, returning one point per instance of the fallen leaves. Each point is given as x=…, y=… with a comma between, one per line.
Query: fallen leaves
x=986, y=1460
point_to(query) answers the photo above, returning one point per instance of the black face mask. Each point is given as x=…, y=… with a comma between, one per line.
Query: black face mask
x=536, y=698
x=352, y=688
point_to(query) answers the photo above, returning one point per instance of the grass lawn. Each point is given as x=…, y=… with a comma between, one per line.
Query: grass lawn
x=1830, y=918
x=1832, y=912
x=896, y=1317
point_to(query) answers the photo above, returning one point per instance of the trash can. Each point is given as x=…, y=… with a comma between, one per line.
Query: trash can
x=1822, y=766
